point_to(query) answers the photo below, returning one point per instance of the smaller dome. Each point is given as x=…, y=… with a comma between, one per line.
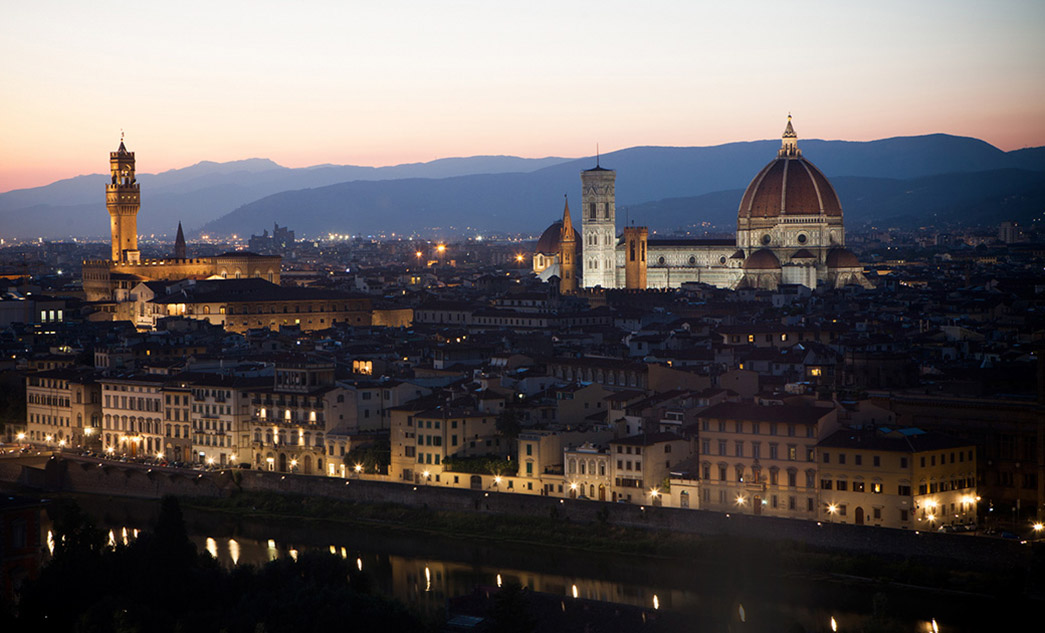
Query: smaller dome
x=842, y=258
x=803, y=254
x=762, y=259
x=548, y=244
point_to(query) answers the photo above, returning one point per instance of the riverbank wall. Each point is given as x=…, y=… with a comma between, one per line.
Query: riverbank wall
x=86, y=476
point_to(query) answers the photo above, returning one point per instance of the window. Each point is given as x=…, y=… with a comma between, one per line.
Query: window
x=841, y=484
x=739, y=447
x=705, y=447
x=876, y=488
x=903, y=462
x=858, y=486
x=756, y=450
x=858, y=460
x=772, y=451
x=841, y=458
x=827, y=458
x=877, y=461
x=903, y=515
x=792, y=478
x=825, y=484
x=722, y=447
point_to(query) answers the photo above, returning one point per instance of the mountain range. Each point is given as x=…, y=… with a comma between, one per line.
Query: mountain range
x=900, y=181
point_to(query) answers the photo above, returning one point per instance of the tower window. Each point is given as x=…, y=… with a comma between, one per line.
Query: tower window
x=591, y=211
x=631, y=249
x=802, y=238
x=766, y=239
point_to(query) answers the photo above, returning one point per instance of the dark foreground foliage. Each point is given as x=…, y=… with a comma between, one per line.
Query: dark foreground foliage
x=160, y=583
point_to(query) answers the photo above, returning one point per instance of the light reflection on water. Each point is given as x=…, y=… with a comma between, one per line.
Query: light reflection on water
x=426, y=580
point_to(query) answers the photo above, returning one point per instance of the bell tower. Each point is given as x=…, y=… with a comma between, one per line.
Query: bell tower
x=599, y=227
x=567, y=254
x=123, y=199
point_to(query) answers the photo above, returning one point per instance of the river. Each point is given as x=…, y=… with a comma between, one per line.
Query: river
x=423, y=570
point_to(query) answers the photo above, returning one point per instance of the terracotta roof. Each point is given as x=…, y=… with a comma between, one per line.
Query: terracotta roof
x=842, y=258
x=548, y=244
x=756, y=413
x=762, y=259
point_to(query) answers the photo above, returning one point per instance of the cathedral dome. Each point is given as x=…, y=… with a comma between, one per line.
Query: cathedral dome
x=548, y=244
x=762, y=259
x=842, y=258
x=789, y=185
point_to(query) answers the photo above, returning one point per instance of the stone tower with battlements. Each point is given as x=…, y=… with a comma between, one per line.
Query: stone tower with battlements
x=123, y=199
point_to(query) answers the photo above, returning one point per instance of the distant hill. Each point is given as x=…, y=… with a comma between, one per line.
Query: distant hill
x=202, y=192
x=494, y=193
x=978, y=198
x=873, y=179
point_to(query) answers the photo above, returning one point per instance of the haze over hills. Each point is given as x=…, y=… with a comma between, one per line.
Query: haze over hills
x=207, y=190
x=664, y=187
x=874, y=175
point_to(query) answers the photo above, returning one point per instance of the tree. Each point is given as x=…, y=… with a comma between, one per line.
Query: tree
x=374, y=457
x=511, y=610
x=508, y=423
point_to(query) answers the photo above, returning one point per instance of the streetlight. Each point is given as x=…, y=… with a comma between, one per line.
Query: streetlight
x=832, y=509
x=741, y=500
x=497, y=480
x=358, y=468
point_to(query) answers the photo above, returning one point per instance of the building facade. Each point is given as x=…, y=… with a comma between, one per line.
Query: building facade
x=789, y=231
x=102, y=279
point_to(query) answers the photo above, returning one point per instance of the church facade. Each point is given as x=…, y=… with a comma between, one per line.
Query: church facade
x=111, y=280
x=789, y=231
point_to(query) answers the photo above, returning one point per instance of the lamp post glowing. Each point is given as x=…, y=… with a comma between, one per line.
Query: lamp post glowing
x=741, y=501
x=358, y=468
x=832, y=510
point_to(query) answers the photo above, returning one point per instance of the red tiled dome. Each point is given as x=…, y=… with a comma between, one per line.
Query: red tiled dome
x=548, y=244
x=789, y=185
x=842, y=258
x=762, y=259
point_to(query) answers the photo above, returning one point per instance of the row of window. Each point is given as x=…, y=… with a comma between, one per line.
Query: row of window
x=132, y=403
x=755, y=428
x=792, y=453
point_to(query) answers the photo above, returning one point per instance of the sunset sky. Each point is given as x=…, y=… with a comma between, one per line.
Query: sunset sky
x=379, y=83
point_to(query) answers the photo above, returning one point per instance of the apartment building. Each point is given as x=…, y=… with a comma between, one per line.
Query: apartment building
x=900, y=478
x=762, y=459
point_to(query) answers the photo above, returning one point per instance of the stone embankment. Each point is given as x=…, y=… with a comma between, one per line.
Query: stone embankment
x=89, y=476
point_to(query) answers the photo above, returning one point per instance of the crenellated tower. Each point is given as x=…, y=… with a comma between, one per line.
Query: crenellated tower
x=567, y=254
x=599, y=227
x=123, y=199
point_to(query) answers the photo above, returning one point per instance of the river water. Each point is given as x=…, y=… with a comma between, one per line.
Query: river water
x=423, y=571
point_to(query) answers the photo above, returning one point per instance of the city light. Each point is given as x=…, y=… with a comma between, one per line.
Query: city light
x=654, y=493
x=159, y=455
x=358, y=467
x=441, y=248
x=497, y=480
x=740, y=500
x=21, y=437
x=832, y=508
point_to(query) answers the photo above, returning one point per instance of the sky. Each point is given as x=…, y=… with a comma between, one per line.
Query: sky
x=382, y=83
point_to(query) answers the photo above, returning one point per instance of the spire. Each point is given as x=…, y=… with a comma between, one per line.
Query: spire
x=123, y=148
x=789, y=142
x=179, y=244
x=567, y=223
